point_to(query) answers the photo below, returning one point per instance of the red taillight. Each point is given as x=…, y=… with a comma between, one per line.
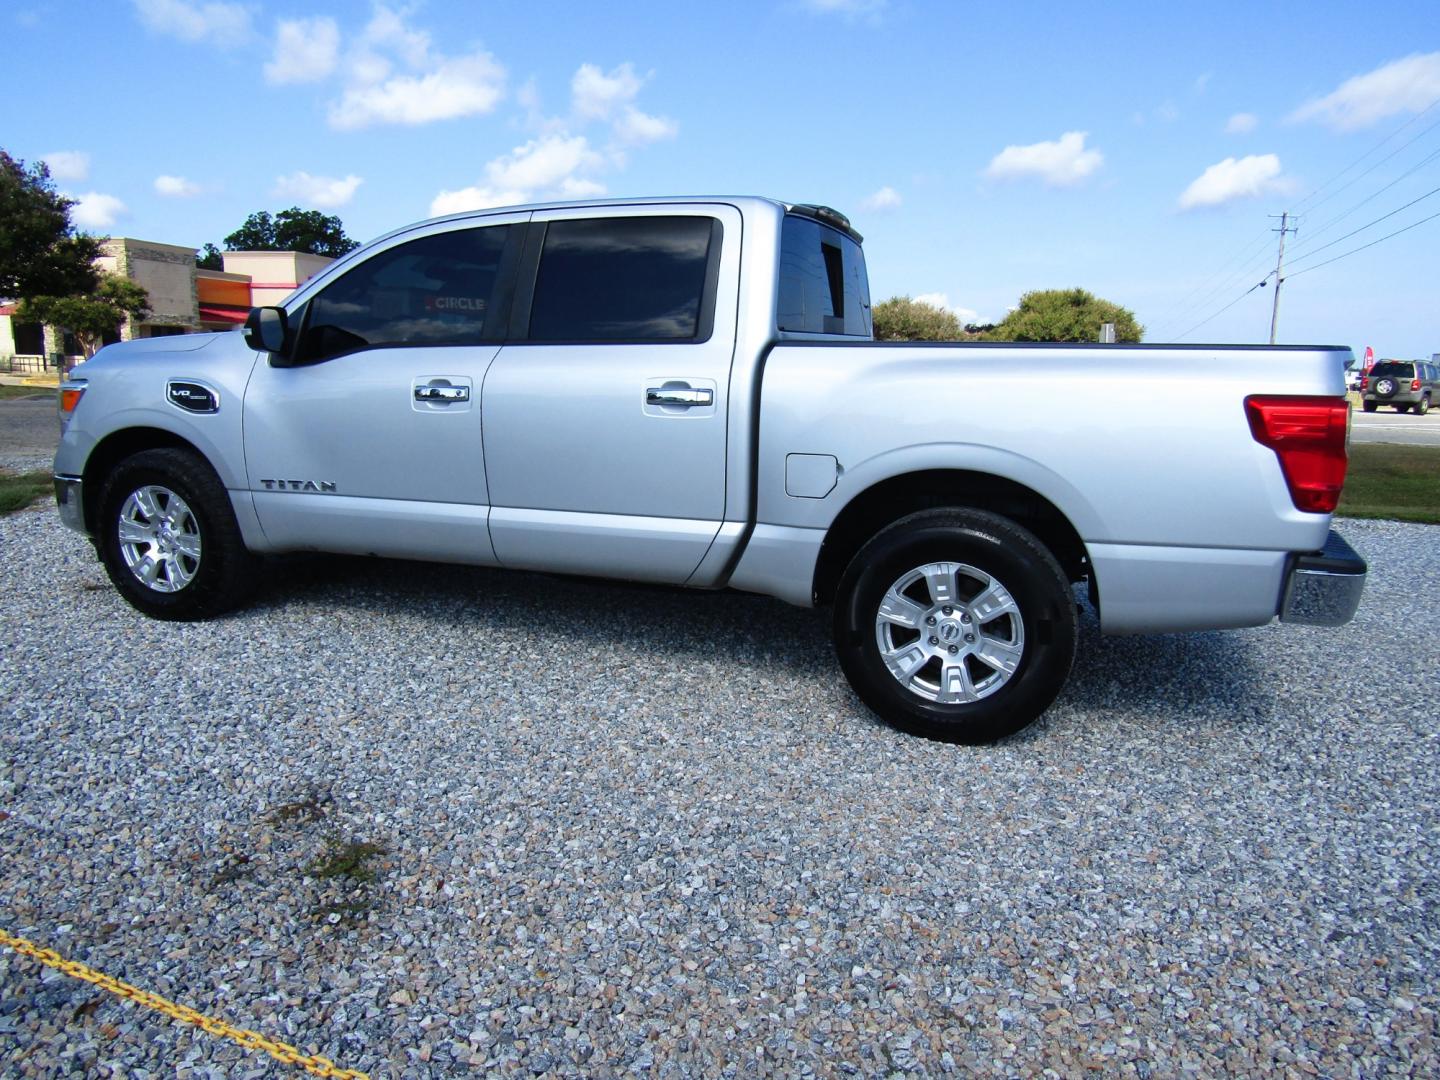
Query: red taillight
x=1365, y=382
x=1414, y=384
x=1309, y=436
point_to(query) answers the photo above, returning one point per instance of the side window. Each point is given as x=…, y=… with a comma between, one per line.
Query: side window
x=625, y=279
x=437, y=290
x=823, y=288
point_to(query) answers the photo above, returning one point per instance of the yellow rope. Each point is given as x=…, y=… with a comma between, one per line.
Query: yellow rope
x=250, y=1040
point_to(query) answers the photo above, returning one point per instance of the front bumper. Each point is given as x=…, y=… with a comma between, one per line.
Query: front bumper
x=1323, y=588
x=70, y=499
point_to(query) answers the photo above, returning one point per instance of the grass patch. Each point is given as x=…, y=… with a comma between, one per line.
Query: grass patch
x=9, y=392
x=19, y=490
x=1388, y=480
x=347, y=859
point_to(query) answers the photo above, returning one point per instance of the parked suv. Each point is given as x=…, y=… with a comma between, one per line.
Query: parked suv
x=1402, y=383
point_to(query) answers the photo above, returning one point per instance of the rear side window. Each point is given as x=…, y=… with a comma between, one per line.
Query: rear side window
x=1394, y=368
x=437, y=290
x=823, y=288
x=632, y=279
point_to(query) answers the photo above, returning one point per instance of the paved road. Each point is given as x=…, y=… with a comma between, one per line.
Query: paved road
x=28, y=427
x=1390, y=426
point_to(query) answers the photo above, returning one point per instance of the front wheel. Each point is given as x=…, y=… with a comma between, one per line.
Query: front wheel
x=955, y=624
x=169, y=539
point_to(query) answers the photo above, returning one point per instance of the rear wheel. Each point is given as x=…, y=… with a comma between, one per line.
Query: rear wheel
x=955, y=624
x=1402, y=408
x=169, y=539
x=1422, y=406
x=1370, y=406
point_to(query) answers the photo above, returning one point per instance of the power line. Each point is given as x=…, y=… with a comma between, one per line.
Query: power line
x=1377, y=221
x=1372, y=243
x=1375, y=194
x=1258, y=285
x=1367, y=153
x=1227, y=280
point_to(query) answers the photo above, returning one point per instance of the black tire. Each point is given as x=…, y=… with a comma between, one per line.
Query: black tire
x=1422, y=406
x=222, y=572
x=1402, y=408
x=994, y=547
x=1370, y=406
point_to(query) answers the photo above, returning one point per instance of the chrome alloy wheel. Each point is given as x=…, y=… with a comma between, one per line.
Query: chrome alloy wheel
x=950, y=633
x=159, y=539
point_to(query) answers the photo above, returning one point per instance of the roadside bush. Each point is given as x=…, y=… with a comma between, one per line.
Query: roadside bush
x=903, y=319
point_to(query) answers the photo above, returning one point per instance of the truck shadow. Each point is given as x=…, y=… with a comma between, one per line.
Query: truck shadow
x=1177, y=675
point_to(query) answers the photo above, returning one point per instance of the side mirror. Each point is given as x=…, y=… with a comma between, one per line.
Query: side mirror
x=266, y=330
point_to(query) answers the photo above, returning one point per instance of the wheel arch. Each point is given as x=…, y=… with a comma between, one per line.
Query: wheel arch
x=891, y=499
x=115, y=448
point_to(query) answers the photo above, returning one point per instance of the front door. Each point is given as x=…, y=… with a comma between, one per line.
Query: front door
x=370, y=440
x=605, y=426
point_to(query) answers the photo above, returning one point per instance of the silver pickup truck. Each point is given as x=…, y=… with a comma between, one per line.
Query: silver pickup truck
x=686, y=391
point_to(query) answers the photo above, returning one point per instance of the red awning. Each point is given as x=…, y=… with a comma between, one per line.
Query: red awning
x=223, y=314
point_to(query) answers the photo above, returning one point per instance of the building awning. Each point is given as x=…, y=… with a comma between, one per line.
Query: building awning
x=215, y=313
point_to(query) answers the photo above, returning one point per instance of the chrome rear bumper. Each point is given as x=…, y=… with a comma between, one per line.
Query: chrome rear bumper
x=1323, y=588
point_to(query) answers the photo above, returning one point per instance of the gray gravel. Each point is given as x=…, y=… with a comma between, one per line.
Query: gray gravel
x=634, y=831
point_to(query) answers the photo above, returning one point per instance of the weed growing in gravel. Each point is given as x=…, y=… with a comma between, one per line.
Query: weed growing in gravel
x=307, y=809
x=347, y=859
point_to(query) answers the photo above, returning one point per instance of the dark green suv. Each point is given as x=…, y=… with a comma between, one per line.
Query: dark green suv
x=1406, y=384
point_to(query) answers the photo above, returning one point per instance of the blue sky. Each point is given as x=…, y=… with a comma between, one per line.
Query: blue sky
x=1133, y=149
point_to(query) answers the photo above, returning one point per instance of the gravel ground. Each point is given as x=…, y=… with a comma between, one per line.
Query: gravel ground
x=634, y=831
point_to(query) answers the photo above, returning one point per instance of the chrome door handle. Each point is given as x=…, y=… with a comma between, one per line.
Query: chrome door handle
x=442, y=393
x=661, y=395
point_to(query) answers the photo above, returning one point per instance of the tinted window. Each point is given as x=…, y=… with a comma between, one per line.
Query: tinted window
x=437, y=290
x=1394, y=368
x=823, y=288
x=622, y=279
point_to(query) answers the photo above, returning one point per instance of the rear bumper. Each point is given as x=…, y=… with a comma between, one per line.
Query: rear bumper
x=1323, y=588
x=69, y=498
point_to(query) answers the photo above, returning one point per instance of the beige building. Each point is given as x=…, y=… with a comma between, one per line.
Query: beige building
x=183, y=299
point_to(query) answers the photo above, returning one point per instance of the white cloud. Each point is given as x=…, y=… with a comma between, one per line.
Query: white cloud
x=1059, y=164
x=473, y=198
x=176, y=187
x=306, y=50
x=325, y=192
x=635, y=127
x=887, y=198
x=94, y=210
x=849, y=8
x=555, y=165
x=573, y=187
x=542, y=163
x=1242, y=123
x=427, y=86
x=1243, y=178
x=68, y=164
x=465, y=86
x=942, y=301
x=217, y=23
x=1201, y=83
x=594, y=95
x=1408, y=85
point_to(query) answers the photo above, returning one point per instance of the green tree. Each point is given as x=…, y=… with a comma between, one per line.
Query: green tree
x=92, y=316
x=41, y=254
x=1065, y=315
x=290, y=230
x=209, y=258
x=903, y=319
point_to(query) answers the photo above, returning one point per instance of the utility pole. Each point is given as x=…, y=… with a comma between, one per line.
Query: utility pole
x=1279, y=268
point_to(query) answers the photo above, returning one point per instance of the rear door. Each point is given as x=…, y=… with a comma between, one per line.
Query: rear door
x=606, y=411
